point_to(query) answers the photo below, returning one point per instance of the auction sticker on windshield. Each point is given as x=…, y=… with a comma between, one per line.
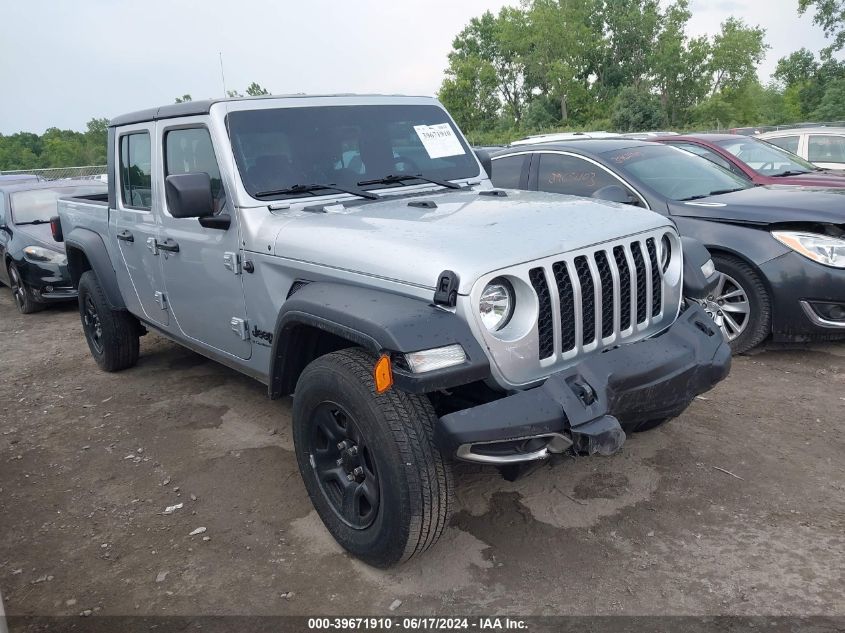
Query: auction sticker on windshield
x=439, y=140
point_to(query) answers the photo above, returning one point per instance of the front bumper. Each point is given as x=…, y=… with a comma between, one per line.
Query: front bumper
x=47, y=283
x=798, y=285
x=584, y=404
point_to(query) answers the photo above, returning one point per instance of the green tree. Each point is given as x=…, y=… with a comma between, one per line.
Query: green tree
x=183, y=99
x=254, y=90
x=469, y=93
x=636, y=109
x=737, y=51
x=832, y=106
x=830, y=15
x=796, y=68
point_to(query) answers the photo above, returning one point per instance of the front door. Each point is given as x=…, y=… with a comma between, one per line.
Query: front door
x=136, y=228
x=203, y=277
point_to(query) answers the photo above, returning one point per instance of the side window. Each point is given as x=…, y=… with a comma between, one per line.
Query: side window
x=2, y=208
x=572, y=175
x=826, y=148
x=789, y=143
x=507, y=171
x=190, y=151
x=136, y=170
x=710, y=155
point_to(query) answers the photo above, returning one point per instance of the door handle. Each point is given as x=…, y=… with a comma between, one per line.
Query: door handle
x=168, y=245
x=126, y=236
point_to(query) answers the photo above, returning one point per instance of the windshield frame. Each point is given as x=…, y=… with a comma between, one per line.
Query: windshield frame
x=609, y=158
x=471, y=171
x=62, y=191
x=806, y=166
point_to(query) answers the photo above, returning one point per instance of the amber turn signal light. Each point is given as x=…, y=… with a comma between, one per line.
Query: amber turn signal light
x=383, y=374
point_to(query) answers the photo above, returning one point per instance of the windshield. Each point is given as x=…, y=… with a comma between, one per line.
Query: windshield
x=674, y=173
x=39, y=205
x=766, y=159
x=278, y=149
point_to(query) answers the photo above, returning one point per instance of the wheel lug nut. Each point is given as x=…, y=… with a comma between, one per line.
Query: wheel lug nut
x=350, y=477
x=339, y=462
x=341, y=445
x=358, y=471
x=353, y=451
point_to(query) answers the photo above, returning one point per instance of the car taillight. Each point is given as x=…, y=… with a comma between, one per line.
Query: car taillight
x=56, y=229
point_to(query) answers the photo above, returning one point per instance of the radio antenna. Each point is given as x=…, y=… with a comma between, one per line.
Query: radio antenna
x=222, y=75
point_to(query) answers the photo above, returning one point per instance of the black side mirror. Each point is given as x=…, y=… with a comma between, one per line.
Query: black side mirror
x=700, y=275
x=484, y=159
x=189, y=195
x=615, y=193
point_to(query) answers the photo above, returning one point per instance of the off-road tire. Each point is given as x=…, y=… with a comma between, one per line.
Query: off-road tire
x=118, y=344
x=21, y=294
x=760, y=318
x=414, y=479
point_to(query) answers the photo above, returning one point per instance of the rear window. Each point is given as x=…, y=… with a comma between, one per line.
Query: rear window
x=39, y=205
x=279, y=148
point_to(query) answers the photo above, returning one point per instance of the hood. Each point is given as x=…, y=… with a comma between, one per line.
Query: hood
x=467, y=233
x=768, y=205
x=39, y=235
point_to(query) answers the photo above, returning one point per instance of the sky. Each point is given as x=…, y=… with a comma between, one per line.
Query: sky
x=63, y=62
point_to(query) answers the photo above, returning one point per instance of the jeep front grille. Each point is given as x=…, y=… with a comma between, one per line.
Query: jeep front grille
x=601, y=297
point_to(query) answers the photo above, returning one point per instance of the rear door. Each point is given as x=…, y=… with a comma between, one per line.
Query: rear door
x=136, y=227
x=203, y=277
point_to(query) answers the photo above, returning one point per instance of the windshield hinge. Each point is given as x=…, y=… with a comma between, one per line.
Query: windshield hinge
x=446, y=291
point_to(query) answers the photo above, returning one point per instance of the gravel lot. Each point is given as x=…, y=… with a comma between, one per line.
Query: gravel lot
x=90, y=461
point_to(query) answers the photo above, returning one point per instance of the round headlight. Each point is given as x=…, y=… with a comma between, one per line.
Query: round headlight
x=665, y=253
x=496, y=304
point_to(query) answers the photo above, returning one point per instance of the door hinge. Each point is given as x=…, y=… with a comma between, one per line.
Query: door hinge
x=161, y=300
x=232, y=261
x=240, y=327
x=152, y=244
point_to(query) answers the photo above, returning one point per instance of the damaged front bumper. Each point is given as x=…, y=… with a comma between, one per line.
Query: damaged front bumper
x=581, y=407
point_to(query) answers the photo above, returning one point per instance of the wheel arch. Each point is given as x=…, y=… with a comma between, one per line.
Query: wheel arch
x=86, y=251
x=323, y=317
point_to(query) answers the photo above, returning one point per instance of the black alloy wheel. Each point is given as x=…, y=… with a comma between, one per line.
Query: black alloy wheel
x=344, y=466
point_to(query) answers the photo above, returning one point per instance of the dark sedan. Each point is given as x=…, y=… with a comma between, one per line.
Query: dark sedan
x=33, y=264
x=781, y=250
x=755, y=160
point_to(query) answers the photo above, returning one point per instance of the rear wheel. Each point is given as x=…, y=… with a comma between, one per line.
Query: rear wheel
x=740, y=304
x=112, y=335
x=21, y=294
x=368, y=460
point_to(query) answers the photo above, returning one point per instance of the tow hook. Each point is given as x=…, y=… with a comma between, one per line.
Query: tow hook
x=602, y=436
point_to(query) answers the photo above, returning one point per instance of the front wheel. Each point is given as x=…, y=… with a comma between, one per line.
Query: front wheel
x=112, y=335
x=21, y=294
x=740, y=305
x=368, y=460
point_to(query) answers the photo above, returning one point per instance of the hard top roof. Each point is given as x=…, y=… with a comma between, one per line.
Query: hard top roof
x=191, y=108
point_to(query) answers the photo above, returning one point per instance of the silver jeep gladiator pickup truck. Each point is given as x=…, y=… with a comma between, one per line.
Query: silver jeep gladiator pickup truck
x=351, y=251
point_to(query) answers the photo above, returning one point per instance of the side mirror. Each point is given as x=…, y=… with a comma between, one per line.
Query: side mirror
x=615, y=193
x=189, y=195
x=700, y=275
x=484, y=158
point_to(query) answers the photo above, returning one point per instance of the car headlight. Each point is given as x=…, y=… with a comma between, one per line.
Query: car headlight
x=496, y=304
x=44, y=255
x=823, y=249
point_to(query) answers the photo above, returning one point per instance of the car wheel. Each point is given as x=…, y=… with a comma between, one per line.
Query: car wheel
x=740, y=304
x=21, y=294
x=112, y=335
x=368, y=460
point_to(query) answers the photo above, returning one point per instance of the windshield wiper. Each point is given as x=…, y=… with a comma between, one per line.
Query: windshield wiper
x=319, y=187
x=789, y=172
x=718, y=192
x=396, y=178
x=33, y=222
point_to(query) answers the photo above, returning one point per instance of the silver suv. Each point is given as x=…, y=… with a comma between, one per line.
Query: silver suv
x=351, y=251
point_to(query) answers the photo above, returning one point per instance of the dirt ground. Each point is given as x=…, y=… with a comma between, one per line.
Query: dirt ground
x=90, y=461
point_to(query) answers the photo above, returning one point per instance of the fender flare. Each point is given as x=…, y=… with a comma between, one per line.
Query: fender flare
x=380, y=322
x=91, y=244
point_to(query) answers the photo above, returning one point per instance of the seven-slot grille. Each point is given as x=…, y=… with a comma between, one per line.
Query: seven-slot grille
x=626, y=277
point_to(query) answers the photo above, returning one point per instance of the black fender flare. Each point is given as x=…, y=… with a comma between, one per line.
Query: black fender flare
x=91, y=244
x=380, y=322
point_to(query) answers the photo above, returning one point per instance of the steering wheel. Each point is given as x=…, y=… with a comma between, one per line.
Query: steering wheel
x=766, y=166
x=405, y=165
